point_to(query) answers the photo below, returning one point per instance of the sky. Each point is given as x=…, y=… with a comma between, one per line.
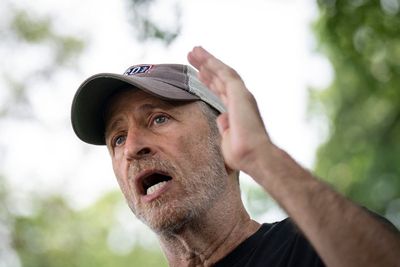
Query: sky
x=269, y=43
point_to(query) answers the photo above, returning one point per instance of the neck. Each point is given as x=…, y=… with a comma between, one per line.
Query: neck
x=211, y=236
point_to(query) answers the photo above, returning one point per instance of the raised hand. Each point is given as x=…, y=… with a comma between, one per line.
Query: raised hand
x=244, y=137
x=325, y=217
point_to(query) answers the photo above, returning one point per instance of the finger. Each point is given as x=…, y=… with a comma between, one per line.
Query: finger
x=222, y=123
x=205, y=76
x=205, y=59
x=202, y=60
x=211, y=81
x=224, y=100
x=210, y=66
x=198, y=56
x=219, y=77
x=191, y=57
x=215, y=68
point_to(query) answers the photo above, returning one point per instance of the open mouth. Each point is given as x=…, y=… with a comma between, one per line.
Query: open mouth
x=153, y=182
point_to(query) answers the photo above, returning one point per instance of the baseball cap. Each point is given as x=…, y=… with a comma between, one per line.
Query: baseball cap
x=166, y=81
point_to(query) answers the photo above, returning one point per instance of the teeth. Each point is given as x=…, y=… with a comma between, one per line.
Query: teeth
x=155, y=187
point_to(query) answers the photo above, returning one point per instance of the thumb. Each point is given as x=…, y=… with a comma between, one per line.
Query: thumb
x=223, y=123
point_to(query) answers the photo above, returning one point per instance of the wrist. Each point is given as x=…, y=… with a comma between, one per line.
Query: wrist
x=275, y=170
x=259, y=165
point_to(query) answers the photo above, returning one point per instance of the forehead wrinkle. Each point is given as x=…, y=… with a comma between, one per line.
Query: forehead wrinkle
x=140, y=109
x=150, y=106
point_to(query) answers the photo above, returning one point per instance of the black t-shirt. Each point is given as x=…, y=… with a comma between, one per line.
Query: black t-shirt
x=277, y=244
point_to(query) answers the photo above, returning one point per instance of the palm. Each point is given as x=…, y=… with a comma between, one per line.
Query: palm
x=241, y=128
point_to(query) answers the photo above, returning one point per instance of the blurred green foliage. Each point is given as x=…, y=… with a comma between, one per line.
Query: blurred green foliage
x=24, y=33
x=360, y=38
x=55, y=235
x=48, y=232
x=147, y=28
x=361, y=156
x=30, y=29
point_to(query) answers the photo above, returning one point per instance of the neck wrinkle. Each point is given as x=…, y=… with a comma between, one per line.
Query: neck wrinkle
x=212, y=236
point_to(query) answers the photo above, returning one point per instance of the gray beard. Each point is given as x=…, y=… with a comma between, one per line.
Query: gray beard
x=202, y=190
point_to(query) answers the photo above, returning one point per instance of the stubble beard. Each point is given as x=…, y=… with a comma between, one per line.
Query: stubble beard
x=168, y=214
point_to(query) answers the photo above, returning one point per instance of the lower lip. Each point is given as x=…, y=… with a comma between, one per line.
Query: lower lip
x=159, y=192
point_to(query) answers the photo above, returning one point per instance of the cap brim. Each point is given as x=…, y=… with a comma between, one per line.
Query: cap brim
x=90, y=100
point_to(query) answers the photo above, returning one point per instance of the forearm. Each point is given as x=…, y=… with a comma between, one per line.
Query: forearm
x=341, y=232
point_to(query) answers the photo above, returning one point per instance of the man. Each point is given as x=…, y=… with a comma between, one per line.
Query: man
x=178, y=171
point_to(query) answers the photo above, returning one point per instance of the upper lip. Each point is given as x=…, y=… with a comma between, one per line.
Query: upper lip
x=141, y=176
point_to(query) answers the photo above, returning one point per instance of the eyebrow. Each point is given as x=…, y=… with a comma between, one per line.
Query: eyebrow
x=114, y=125
x=145, y=108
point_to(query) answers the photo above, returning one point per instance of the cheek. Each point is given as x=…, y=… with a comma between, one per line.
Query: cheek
x=193, y=147
x=119, y=174
x=118, y=165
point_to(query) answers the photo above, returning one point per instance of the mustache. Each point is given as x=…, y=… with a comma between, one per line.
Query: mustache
x=156, y=163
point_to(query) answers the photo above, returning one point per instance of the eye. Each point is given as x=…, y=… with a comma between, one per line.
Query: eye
x=160, y=119
x=119, y=140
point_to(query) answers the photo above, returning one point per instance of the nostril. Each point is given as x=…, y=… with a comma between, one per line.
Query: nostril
x=144, y=151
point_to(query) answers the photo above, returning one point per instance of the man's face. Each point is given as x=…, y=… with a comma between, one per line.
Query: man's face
x=166, y=159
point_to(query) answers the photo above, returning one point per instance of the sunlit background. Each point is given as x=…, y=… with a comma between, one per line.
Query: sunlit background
x=325, y=75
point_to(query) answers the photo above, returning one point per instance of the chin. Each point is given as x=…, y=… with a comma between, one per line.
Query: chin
x=168, y=218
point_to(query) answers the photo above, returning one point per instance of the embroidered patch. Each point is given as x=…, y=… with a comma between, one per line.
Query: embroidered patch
x=138, y=69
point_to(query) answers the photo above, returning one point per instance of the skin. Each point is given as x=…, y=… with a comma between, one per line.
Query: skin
x=342, y=233
x=198, y=215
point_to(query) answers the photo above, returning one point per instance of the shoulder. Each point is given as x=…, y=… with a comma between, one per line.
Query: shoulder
x=283, y=235
x=274, y=244
x=286, y=245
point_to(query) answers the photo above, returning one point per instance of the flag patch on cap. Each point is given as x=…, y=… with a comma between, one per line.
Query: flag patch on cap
x=138, y=69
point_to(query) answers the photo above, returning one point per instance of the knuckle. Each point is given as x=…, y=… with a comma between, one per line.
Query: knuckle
x=230, y=73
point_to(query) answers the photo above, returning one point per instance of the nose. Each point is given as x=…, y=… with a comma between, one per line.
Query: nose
x=138, y=145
